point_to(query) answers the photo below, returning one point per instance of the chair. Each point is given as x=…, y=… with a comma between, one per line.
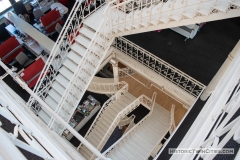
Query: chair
x=10, y=49
x=58, y=28
x=50, y=20
x=37, y=13
x=23, y=59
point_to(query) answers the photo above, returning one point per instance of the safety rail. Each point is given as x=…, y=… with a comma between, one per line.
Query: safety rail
x=142, y=13
x=125, y=72
x=66, y=38
x=120, y=92
x=167, y=71
x=152, y=101
x=106, y=87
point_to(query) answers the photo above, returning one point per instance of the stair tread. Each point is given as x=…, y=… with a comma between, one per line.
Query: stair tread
x=66, y=72
x=87, y=32
x=70, y=65
x=51, y=102
x=83, y=40
x=55, y=95
x=127, y=154
x=80, y=50
x=136, y=147
x=85, y=152
x=62, y=80
x=58, y=87
x=74, y=57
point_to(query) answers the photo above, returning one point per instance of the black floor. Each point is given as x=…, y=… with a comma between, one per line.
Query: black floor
x=200, y=57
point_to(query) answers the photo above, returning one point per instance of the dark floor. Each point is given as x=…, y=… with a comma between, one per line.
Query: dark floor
x=200, y=57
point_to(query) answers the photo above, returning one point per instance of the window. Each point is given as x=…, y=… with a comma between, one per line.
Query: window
x=5, y=4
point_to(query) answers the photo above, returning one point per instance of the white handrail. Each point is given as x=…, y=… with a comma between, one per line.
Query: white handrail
x=105, y=87
x=136, y=126
x=49, y=109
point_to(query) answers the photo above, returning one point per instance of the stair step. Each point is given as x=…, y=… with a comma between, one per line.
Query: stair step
x=107, y=118
x=55, y=95
x=127, y=154
x=74, y=57
x=66, y=72
x=119, y=155
x=103, y=125
x=62, y=80
x=97, y=136
x=111, y=110
x=144, y=140
x=93, y=142
x=80, y=50
x=105, y=122
x=134, y=152
x=143, y=145
x=51, y=102
x=100, y=130
x=130, y=96
x=109, y=114
x=135, y=146
x=58, y=87
x=83, y=40
x=87, y=32
x=85, y=152
x=70, y=65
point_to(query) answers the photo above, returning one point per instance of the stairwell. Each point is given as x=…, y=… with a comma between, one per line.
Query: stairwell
x=106, y=122
x=142, y=139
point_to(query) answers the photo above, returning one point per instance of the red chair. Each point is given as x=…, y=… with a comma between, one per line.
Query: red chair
x=50, y=20
x=31, y=73
x=10, y=49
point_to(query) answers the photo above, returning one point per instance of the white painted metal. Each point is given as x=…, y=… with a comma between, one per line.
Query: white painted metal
x=136, y=16
x=46, y=107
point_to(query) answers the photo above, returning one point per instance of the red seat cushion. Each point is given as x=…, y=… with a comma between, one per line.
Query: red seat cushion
x=32, y=70
x=50, y=17
x=9, y=45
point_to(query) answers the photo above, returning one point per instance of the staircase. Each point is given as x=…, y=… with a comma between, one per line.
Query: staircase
x=79, y=66
x=138, y=16
x=143, y=138
x=105, y=85
x=106, y=122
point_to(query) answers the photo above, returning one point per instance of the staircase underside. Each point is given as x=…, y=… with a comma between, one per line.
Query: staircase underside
x=169, y=19
x=141, y=142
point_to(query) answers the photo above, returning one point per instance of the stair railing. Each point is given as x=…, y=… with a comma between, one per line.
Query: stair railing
x=67, y=100
x=126, y=120
x=159, y=66
x=171, y=128
x=147, y=102
x=125, y=72
x=143, y=99
x=122, y=91
x=61, y=48
x=106, y=87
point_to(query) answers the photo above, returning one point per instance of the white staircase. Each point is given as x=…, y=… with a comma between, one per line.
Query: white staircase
x=138, y=16
x=143, y=138
x=106, y=122
x=79, y=67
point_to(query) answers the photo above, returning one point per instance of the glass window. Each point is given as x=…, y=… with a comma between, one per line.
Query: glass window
x=4, y=4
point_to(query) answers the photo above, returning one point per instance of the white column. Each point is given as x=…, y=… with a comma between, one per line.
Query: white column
x=115, y=70
x=211, y=86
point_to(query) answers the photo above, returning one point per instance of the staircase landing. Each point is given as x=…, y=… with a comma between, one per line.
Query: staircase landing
x=95, y=19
